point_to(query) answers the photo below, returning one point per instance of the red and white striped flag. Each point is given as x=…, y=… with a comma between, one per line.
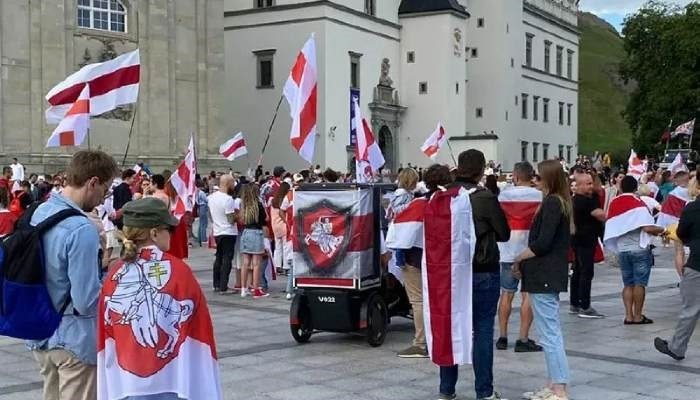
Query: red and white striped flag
x=73, y=128
x=183, y=182
x=406, y=229
x=450, y=243
x=673, y=206
x=301, y=92
x=112, y=83
x=234, y=147
x=684, y=129
x=432, y=145
x=677, y=165
x=636, y=167
x=368, y=155
x=520, y=204
x=627, y=213
x=155, y=334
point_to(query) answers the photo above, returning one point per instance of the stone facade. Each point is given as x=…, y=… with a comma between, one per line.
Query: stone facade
x=182, y=67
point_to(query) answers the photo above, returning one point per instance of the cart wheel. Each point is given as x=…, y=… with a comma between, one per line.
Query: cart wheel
x=376, y=321
x=301, y=332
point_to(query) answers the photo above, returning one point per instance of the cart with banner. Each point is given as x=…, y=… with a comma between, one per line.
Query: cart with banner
x=338, y=273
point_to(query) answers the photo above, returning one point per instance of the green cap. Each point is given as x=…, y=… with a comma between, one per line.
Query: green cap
x=148, y=212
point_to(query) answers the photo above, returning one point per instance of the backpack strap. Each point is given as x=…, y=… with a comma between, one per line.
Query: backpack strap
x=51, y=221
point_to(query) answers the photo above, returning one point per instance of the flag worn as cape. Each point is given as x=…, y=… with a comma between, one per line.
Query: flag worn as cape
x=406, y=230
x=520, y=205
x=627, y=213
x=672, y=207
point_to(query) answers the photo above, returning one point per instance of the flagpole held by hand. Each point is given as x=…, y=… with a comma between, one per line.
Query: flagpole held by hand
x=452, y=154
x=269, y=130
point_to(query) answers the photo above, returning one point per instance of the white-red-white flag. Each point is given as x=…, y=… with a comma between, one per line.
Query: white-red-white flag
x=137, y=168
x=519, y=204
x=183, y=182
x=677, y=165
x=73, y=128
x=368, y=155
x=684, y=129
x=406, y=228
x=112, y=83
x=673, y=206
x=636, y=167
x=449, y=245
x=234, y=147
x=627, y=213
x=432, y=145
x=301, y=92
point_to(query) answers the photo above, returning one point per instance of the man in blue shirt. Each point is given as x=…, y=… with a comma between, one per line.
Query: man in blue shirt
x=71, y=249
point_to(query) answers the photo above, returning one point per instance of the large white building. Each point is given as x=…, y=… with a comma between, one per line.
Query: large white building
x=501, y=75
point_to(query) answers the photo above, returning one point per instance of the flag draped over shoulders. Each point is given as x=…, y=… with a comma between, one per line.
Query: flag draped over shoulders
x=627, y=213
x=673, y=206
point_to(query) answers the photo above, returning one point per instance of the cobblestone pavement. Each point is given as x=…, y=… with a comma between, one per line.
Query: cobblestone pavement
x=260, y=360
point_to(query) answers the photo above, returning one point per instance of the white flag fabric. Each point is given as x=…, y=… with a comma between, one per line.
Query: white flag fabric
x=684, y=129
x=636, y=167
x=677, y=165
x=73, y=128
x=627, y=213
x=234, y=147
x=301, y=92
x=112, y=83
x=519, y=204
x=406, y=229
x=368, y=155
x=672, y=207
x=432, y=145
x=183, y=182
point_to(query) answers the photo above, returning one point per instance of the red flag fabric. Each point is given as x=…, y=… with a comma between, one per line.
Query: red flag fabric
x=155, y=333
x=183, y=182
x=406, y=229
x=73, y=128
x=301, y=92
x=368, y=155
x=673, y=206
x=432, y=145
x=520, y=204
x=636, y=167
x=234, y=147
x=627, y=213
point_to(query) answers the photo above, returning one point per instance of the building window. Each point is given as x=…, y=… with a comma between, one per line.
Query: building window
x=457, y=88
x=479, y=22
x=569, y=63
x=265, y=71
x=354, y=69
x=479, y=112
x=568, y=114
x=535, y=107
x=528, y=49
x=545, y=110
x=506, y=115
x=264, y=3
x=523, y=151
x=370, y=7
x=107, y=15
x=475, y=52
x=512, y=62
x=423, y=88
x=568, y=154
x=561, y=113
x=523, y=104
x=560, y=55
x=516, y=100
x=535, y=152
x=547, y=55
x=411, y=57
x=561, y=151
x=545, y=152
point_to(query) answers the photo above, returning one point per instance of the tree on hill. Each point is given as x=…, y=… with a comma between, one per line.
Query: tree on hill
x=662, y=48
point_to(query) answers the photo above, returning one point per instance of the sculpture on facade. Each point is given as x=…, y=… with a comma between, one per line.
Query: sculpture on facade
x=457, y=42
x=384, y=79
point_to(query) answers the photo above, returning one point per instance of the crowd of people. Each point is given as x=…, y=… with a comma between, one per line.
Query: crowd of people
x=539, y=231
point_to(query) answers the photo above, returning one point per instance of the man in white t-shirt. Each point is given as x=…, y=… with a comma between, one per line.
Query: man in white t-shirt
x=17, y=171
x=223, y=210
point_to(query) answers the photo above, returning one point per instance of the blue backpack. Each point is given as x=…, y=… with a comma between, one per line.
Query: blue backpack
x=26, y=309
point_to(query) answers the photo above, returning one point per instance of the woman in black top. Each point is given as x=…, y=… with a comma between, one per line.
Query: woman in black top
x=252, y=245
x=544, y=270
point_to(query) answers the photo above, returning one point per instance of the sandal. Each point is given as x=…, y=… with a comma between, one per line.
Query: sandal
x=644, y=321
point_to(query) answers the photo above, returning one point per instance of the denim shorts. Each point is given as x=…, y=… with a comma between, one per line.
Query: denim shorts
x=635, y=267
x=252, y=241
x=509, y=283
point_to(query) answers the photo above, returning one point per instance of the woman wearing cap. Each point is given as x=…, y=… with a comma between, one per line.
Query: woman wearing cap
x=155, y=337
x=253, y=217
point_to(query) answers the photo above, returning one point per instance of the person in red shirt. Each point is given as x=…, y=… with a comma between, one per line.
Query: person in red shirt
x=7, y=218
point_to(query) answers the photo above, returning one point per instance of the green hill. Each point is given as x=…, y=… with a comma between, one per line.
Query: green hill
x=602, y=95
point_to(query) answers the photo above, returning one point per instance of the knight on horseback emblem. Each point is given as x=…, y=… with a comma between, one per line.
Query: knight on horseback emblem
x=139, y=300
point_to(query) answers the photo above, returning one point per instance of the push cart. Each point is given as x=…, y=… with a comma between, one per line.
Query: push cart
x=341, y=285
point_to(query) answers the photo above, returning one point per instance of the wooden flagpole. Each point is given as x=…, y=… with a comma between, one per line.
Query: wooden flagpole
x=128, y=142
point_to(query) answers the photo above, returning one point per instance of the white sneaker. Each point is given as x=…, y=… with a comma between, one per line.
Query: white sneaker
x=244, y=293
x=536, y=395
x=289, y=296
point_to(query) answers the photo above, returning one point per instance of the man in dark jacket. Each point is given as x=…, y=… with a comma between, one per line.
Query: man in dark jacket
x=122, y=195
x=490, y=226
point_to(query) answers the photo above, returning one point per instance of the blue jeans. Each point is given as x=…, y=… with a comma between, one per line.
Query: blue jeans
x=635, y=267
x=203, y=224
x=485, y=293
x=545, y=307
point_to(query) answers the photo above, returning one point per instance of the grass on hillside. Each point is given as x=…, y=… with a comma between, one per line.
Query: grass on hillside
x=601, y=101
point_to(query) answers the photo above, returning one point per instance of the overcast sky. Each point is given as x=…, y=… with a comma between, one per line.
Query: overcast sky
x=614, y=11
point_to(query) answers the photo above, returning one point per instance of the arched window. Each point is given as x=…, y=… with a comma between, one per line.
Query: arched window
x=107, y=15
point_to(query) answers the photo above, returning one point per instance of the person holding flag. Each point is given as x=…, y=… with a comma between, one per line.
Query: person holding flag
x=155, y=337
x=368, y=155
x=676, y=200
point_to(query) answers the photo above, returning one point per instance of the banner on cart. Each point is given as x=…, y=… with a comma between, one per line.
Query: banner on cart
x=333, y=234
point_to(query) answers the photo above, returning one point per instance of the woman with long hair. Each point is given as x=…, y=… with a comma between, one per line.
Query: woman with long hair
x=253, y=218
x=279, y=226
x=544, y=269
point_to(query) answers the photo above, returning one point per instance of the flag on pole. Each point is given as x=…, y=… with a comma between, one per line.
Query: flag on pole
x=368, y=155
x=301, y=92
x=183, y=182
x=73, y=128
x=112, y=83
x=684, y=129
x=432, y=145
x=636, y=167
x=234, y=147
x=677, y=165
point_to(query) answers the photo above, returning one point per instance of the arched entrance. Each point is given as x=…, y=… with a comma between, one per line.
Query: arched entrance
x=386, y=144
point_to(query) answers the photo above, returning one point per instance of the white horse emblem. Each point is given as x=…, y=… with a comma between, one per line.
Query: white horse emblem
x=138, y=300
x=322, y=235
